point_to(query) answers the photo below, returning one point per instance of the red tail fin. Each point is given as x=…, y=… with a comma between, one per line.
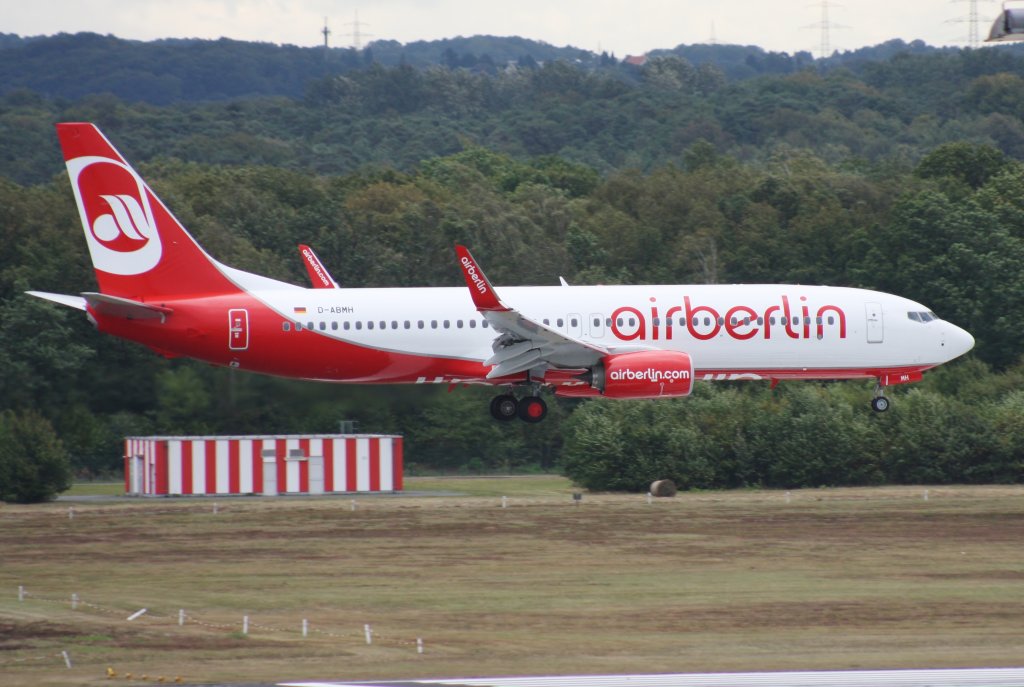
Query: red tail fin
x=139, y=250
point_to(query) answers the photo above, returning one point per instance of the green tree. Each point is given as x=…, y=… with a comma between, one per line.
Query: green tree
x=34, y=465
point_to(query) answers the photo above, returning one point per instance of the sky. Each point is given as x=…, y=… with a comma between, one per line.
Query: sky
x=621, y=27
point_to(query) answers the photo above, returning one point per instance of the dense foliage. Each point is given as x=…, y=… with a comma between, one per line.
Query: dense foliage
x=900, y=174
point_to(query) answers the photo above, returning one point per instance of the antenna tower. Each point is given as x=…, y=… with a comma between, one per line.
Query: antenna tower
x=973, y=37
x=826, y=26
x=326, y=32
x=356, y=34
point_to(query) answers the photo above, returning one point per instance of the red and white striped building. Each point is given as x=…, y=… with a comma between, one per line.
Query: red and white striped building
x=269, y=465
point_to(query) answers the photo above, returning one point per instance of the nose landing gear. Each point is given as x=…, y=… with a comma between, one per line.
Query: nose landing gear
x=879, y=403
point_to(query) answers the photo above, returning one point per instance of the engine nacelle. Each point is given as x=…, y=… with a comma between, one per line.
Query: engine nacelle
x=644, y=374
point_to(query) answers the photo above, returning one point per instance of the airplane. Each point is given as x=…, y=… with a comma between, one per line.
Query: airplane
x=158, y=287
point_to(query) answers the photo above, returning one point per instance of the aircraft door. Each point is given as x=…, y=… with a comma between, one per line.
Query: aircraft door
x=238, y=329
x=873, y=313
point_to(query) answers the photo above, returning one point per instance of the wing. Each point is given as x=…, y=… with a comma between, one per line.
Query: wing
x=522, y=344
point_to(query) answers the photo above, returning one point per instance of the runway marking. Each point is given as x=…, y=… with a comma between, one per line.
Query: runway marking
x=954, y=677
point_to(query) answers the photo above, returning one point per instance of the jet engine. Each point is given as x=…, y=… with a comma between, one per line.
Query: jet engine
x=643, y=374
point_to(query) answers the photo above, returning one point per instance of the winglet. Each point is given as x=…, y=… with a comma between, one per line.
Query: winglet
x=318, y=274
x=484, y=297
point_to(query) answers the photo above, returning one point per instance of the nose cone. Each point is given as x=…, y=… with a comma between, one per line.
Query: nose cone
x=956, y=341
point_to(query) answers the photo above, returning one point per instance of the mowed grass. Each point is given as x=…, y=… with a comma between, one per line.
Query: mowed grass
x=714, y=581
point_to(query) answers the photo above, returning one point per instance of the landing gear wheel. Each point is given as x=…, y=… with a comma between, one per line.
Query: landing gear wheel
x=532, y=409
x=504, y=407
x=880, y=404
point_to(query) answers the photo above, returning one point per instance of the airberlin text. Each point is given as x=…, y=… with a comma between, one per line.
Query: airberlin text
x=798, y=320
x=649, y=375
x=477, y=280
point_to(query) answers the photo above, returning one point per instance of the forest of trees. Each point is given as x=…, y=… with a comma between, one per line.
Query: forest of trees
x=902, y=174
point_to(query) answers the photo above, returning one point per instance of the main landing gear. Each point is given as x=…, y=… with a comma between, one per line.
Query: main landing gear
x=879, y=403
x=528, y=409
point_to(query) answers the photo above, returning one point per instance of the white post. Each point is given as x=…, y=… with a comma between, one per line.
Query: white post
x=504, y=502
x=787, y=497
x=245, y=624
x=214, y=507
x=353, y=504
x=136, y=614
x=67, y=659
x=650, y=497
x=305, y=627
x=74, y=602
x=368, y=631
x=419, y=645
x=925, y=494
x=71, y=512
x=181, y=617
x=21, y=592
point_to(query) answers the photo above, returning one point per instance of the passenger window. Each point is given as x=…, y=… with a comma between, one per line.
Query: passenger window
x=420, y=324
x=359, y=325
x=394, y=324
x=334, y=325
x=561, y=322
x=619, y=322
x=323, y=326
x=472, y=324
x=369, y=324
x=485, y=324
x=286, y=326
x=310, y=325
x=433, y=324
x=408, y=324
x=298, y=326
x=547, y=322
x=447, y=324
x=347, y=325
x=458, y=323
x=597, y=321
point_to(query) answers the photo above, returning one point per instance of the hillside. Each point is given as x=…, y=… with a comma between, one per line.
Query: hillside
x=901, y=173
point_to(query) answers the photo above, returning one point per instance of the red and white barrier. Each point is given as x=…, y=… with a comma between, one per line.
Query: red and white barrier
x=278, y=464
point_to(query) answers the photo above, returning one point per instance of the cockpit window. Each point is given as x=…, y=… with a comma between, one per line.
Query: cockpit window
x=926, y=316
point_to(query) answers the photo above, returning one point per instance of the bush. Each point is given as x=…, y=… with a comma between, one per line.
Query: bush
x=34, y=465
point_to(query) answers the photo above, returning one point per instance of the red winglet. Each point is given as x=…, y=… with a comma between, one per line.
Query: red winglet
x=318, y=274
x=484, y=297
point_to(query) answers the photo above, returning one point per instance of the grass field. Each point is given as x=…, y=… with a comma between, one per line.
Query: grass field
x=714, y=581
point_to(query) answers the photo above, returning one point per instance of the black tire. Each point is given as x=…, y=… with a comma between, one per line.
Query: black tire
x=532, y=409
x=504, y=407
x=880, y=404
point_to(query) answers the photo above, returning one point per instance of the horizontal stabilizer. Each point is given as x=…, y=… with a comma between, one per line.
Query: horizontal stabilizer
x=76, y=302
x=116, y=306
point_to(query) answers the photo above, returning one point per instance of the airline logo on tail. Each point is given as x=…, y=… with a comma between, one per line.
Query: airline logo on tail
x=120, y=227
